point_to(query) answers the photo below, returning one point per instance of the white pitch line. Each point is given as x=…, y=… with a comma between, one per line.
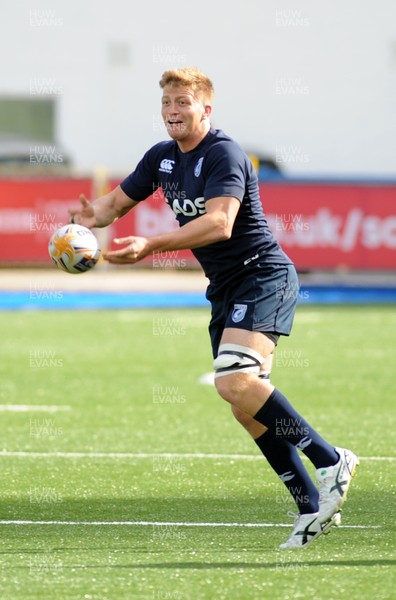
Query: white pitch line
x=139, y=455
x=32, y=408
x=168, y=524
x=128, y=455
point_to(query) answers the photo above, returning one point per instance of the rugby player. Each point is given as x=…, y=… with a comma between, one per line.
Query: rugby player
x=210, y=184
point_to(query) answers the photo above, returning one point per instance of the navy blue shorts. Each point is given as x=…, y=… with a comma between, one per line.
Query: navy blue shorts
x=264, y=301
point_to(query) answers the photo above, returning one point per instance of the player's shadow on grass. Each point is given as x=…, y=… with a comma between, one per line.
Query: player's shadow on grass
x=42, y=506
x=164, y=511
x=224, y=508
x=285, y=563
x=281, y=564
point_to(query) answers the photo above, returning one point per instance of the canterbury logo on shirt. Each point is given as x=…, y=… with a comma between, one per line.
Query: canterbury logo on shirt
x=187, y=207
x=166, y=165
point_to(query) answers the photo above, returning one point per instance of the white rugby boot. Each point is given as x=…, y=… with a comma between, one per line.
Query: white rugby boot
x=307, y=529
x=334, y=483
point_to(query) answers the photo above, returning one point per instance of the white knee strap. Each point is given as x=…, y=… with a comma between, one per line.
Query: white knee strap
x=233, y=358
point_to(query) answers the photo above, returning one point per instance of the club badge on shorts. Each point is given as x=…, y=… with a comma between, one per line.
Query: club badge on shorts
x=239, y=312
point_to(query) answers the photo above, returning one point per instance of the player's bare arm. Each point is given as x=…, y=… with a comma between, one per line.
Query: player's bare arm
x=214, y=226
x=102, y=211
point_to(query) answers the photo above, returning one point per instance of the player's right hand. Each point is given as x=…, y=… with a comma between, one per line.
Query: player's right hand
x=83, y=214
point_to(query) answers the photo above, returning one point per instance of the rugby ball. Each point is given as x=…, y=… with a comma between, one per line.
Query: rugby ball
x=74, y=249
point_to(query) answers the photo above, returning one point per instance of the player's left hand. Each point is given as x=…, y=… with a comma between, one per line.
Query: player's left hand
x=135, y=249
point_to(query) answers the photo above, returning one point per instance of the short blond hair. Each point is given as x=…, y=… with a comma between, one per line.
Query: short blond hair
x=190, y=77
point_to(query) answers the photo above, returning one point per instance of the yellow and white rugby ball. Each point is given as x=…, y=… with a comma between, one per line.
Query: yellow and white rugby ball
x=74, y=248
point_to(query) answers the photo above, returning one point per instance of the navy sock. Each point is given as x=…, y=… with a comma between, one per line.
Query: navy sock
x=286, y=423
x=286, y=462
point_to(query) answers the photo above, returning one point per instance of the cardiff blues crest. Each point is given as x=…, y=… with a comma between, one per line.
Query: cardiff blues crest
x=239, y=312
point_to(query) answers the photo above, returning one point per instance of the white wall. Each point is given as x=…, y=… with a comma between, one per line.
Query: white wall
x=311, y=82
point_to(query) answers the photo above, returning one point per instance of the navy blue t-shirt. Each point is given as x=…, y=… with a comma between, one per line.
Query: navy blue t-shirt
x=216, y=167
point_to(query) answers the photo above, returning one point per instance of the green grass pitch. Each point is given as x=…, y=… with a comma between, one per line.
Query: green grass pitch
x=130, y=409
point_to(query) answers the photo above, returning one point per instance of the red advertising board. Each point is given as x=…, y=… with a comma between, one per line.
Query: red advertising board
x=320, y=226
x=327, y=226
x=30, y=211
